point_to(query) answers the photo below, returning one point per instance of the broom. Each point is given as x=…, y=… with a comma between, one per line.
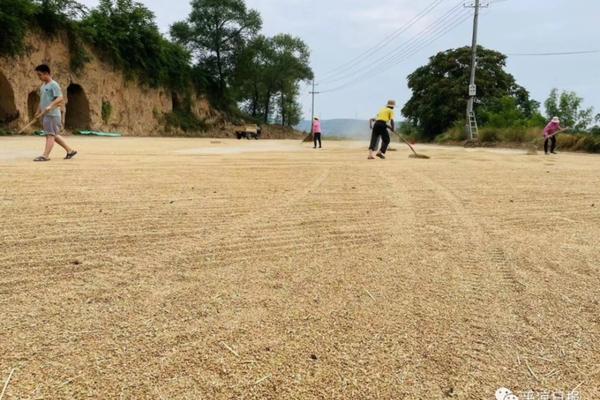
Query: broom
x=29, y=125
x=415, y=154
x=532, y=147
x=33, y=121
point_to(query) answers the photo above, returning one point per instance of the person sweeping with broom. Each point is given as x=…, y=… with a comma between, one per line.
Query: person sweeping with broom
x=316, y=128
x=383, y=122
x=550, y=132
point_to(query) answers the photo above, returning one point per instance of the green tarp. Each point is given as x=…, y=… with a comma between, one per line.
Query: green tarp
x=86, y=133
x=102, y=134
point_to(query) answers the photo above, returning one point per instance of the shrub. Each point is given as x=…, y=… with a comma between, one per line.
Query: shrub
x=15, y=17
x=568, y=142
x=579, y=142
x=590, y=144
x=185, y=120
x=126, y=34
x=489, y=135
x=519, y=135
x=106, y=111
x=410, y=131
x=456, y=134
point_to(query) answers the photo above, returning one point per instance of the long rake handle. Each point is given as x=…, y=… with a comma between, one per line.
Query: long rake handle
x=556, y=133
x=29, y=125
x=408, y=144
x=35, y=119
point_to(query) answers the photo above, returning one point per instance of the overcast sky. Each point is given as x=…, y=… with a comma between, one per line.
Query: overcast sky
x=339, y=31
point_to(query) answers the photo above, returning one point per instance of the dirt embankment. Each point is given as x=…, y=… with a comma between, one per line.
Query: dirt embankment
x=99, y=97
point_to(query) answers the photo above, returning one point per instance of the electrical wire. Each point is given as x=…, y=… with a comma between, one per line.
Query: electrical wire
x=448, y=18
x=386, y=41
x=399, y=58
x=566, y=53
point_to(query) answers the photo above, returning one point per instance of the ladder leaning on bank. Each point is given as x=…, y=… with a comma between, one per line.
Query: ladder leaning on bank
x=473, y=128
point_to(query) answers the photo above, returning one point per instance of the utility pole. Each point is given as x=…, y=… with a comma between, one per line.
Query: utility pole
x=313, y=93
x=473, y=129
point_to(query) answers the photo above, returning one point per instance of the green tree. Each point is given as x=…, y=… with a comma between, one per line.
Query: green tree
x=267, y=77
x=126, y=34
x=55, y=15
x=289, y=110
x=289, y=66
x=568, y=106
x=250, y=78
x=439, y=89
x=506, y=112
x=214, y=31
x=15, y=17
x=50, y=16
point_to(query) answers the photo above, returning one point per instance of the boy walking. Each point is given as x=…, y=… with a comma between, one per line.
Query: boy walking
x=51, y=98
x=384, y=121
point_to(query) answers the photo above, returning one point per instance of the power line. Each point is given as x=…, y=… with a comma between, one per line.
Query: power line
x=359, y=58
x=422, y=41
x=566, y=53
x=404, y=55
x=399, y=58
x=435, y=26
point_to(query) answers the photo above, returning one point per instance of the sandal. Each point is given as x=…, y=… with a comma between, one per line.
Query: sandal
x=41, y=158
x=71, y=155
x=380, y=155
x=370, y=158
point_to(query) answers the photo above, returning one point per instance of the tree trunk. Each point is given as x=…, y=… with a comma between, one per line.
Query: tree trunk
x=282, y=110
x=220, y=68
x=267, y=106
x=255, y=100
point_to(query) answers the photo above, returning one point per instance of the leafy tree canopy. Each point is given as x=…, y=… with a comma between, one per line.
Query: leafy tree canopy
x=568, y=106
x=214, y=31
x=440, y=89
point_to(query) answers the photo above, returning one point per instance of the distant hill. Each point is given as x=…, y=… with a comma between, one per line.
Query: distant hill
x=347, y=128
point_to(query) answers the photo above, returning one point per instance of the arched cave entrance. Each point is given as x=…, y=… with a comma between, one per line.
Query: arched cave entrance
x=8, y=108
x=33, y=103
x=78, y=109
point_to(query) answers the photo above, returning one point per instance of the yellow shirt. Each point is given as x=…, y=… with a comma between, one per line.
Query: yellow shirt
x=386, y=114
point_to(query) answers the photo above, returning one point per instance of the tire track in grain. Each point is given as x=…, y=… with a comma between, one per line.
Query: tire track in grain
x=473, y=283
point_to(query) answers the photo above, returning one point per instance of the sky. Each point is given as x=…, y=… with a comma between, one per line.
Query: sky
x=343, y=33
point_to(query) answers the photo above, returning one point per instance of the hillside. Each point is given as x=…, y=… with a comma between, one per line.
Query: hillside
x=100, y=97
x=345, y=128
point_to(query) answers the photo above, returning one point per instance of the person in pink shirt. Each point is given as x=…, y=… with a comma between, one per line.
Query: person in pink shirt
x=316, y=128
x=550, y=132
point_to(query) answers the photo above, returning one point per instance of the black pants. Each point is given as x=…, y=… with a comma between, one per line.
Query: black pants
x=380, y=129
x=317, y=138
x=553, y=144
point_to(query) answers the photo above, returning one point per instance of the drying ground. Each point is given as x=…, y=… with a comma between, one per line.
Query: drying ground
x=198, y=269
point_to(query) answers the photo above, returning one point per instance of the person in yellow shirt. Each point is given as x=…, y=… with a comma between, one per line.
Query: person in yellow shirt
x=383, y=121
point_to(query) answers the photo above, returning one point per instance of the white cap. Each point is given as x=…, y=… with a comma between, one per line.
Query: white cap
x=555, y=119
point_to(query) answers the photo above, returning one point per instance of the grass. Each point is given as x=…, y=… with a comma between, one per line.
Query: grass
x=186, y=121
x=518, y=137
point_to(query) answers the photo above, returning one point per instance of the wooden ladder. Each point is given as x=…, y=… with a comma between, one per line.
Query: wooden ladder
x=473, y=128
